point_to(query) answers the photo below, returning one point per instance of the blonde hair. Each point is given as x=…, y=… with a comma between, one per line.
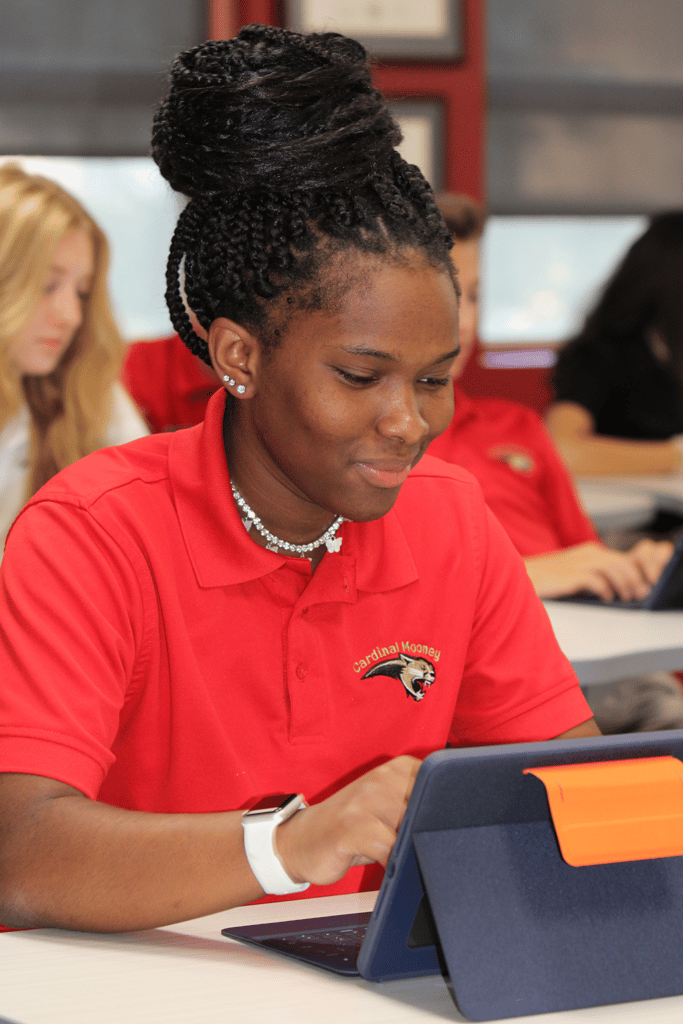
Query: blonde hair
x=70, y=407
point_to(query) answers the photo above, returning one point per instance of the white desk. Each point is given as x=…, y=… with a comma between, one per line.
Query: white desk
x=666, y=489
x=189, y=974
x=612, y=506
x=604, y=644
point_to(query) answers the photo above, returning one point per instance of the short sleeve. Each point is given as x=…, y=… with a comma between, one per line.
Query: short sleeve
x=72, y=635
x=572, y=524
x=517, y=686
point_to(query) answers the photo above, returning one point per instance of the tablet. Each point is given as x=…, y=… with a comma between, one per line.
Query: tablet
x=476, y=889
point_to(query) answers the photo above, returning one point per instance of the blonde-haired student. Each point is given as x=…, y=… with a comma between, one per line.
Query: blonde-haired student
x=60, y=350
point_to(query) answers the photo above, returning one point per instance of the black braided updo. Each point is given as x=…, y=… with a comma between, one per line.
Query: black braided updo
x=286, y=153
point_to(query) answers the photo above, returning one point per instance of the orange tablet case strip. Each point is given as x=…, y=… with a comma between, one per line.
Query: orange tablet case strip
x=611, y=811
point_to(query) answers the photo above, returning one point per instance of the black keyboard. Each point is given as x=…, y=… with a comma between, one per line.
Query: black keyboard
x=319, y=941
x=340, y=946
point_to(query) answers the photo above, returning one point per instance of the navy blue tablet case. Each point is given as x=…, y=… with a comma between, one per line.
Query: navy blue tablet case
x=519, y=930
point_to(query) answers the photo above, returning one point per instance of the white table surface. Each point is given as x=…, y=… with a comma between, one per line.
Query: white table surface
x=604, y=644
x=666, y=488
x=612, y=506
x=189, y=974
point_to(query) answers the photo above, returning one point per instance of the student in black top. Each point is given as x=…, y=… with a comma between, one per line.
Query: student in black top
x=619, y=382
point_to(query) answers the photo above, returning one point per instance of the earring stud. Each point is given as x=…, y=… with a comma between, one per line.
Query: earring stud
x=240, y=389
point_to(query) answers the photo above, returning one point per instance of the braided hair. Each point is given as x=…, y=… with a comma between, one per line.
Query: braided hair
x=287, y=155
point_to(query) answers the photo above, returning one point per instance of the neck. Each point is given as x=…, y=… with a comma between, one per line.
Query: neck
x=282, y=509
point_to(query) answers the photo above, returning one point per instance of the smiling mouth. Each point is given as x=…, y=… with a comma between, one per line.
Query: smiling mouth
x=384, y=474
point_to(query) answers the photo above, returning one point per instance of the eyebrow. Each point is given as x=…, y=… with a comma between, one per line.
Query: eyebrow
x=361, y=350
x=63, y=272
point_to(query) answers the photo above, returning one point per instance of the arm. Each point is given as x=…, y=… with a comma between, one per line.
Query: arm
x=67, y=861
x=589, y=728
x=599, y=570
x=590, y=454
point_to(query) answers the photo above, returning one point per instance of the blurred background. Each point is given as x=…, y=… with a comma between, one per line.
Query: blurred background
x=566, y=118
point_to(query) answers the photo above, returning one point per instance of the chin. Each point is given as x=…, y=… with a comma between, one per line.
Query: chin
x=368, y=510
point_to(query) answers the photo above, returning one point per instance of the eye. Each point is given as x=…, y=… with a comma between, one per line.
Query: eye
x=435, y=382
x=355, y=379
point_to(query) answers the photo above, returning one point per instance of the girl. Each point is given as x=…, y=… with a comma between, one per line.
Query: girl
x=60, y=351
x=279, y=600
x=619, y=384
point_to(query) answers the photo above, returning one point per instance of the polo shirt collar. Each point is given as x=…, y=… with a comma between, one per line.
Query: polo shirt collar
x=376, y=554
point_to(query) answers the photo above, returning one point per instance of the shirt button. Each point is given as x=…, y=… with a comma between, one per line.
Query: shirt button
x=301, y=671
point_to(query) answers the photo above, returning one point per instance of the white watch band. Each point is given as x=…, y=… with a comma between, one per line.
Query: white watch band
x=259, y=830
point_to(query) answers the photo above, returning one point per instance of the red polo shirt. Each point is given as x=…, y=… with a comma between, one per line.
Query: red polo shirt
x=170, y=386
x=154, y=657
x=525, y=483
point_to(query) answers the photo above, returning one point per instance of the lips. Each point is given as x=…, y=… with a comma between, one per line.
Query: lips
x=384, y=473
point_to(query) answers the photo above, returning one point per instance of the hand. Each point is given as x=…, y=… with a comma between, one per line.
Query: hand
x=600, y=570
x=357, y=825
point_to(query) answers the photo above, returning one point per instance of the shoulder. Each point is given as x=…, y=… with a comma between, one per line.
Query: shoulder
x=14, y=435
x=490, y=423
x=580, y=354
x=110, y=469
x=506, y=413
x=142, y=356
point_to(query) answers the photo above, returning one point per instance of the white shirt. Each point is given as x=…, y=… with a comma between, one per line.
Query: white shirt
x=125, y=425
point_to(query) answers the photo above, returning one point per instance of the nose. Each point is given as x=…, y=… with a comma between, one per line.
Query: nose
x=401, y=419
x=67, y=308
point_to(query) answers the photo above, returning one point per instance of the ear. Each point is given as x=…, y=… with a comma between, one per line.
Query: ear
x=235, y=356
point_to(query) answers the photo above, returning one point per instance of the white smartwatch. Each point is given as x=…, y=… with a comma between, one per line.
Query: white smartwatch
x=259, y=824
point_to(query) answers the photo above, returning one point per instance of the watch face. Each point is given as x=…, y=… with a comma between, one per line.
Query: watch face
x=270, y=804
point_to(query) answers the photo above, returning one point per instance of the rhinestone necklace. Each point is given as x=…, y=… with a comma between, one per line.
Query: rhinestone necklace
x=249, y=518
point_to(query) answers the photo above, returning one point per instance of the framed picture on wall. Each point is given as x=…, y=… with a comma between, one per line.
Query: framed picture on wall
x=394, y=29
x=422, y=124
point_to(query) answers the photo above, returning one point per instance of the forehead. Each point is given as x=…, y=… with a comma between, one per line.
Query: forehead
x=74, y=253
x=383, y=307
x=465, y=257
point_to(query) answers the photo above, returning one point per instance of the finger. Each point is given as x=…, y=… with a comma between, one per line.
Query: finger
x=371, y=845
x=626, y=577
x=651, y=557
x=595, y=583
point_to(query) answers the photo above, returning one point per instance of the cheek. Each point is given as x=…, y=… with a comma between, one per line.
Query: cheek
x=443, y=414
x=329, y=415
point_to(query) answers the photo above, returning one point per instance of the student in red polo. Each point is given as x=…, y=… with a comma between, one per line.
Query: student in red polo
x=170, y=386
x=526, y=485
x=286, y=598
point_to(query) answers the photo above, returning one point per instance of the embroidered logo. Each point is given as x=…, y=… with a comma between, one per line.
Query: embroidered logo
x=518, y=459
x=415, y=674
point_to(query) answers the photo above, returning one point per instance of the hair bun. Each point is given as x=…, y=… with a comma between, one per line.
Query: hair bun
x=272, y=110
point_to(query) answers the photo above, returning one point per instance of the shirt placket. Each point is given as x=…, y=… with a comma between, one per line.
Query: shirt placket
x=307, y=681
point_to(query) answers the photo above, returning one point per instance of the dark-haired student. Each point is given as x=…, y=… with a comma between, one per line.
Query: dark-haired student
x=526, y=485
x=286, y=598
x=619, y=383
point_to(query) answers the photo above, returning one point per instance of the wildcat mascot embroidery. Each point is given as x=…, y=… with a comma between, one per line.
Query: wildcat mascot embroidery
x=416, y=674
